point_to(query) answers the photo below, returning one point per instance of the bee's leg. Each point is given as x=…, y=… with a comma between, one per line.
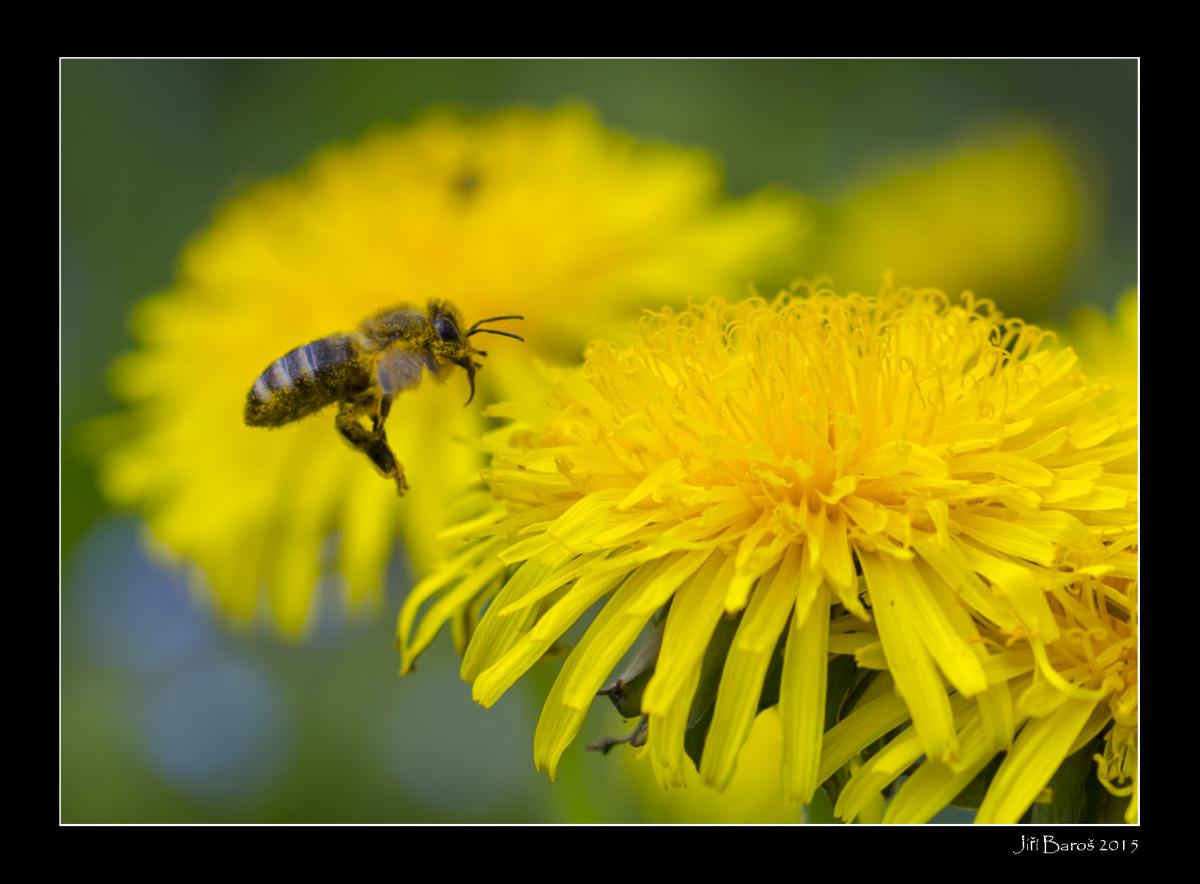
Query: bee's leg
x=371, y=443
x=380, y=417
x=377, y=422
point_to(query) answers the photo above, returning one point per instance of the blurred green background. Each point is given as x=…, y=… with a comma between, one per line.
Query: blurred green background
x=165, y=716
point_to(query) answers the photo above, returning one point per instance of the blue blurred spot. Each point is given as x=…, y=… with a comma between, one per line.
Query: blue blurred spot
x=950, y=814
x=217, y=730
x=124, y=609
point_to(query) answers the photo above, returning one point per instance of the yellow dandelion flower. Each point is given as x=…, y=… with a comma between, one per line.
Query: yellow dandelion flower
x=1108, y=346
x=1057, y=699
x=742, y=474
x=506, y=213
x=1000, y=213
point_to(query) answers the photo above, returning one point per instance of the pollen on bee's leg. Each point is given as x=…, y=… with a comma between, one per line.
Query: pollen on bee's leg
x=390, y=468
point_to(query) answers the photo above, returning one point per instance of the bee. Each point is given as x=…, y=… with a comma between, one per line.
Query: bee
x=364, y=370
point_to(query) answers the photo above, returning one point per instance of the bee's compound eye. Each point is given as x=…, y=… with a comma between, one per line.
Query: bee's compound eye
x=445, y=328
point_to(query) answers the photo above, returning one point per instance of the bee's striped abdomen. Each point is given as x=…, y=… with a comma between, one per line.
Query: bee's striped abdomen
x=306, y=380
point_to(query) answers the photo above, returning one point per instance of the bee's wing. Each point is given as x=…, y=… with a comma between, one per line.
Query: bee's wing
x=399, y=370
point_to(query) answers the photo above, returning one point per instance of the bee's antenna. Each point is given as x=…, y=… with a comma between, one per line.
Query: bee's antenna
x=492, y=331
x=476, y=328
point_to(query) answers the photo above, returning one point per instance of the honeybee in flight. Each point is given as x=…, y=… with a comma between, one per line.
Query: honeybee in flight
x=362, y=372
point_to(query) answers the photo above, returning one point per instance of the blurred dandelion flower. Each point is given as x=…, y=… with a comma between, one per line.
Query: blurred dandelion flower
x=1000, y=213
x=1057, y=699
x=1108, y=346
x=508, y=213
x=725, y=479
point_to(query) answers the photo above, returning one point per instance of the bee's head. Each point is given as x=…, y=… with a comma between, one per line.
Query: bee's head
x=450, y=342
x=445, y=322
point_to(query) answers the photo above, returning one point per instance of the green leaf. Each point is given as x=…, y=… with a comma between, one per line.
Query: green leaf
x=1077, y=795
x=820, y=809
x=972, y=794
x=1068, y=790
x=697, y=733
x=770, y=689
x=1105, y=806
x=701, y=713
x=627, y=689
x=696, y=736
x=838, y=680
x=712, y=667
